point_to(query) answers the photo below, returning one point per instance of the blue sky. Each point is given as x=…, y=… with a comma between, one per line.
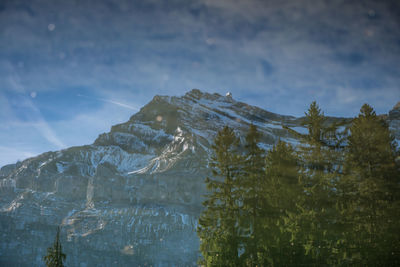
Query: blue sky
x=71, y=69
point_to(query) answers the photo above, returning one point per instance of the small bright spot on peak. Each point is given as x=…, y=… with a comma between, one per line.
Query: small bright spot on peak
x=51, y=27
x=33, y=94
x=229, y=94
x=128, y=250
x=159, y=118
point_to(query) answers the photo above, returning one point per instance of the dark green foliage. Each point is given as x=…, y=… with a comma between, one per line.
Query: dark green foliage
x=371, y=148
x=317, y=179
x=284, y=196
x=370, y=192
x=253, y=195
x=218, y=224
x=55, y=256
x=334, y=200
x=314, y=121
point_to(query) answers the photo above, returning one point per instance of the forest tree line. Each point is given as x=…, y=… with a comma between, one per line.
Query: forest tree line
x=334, y=199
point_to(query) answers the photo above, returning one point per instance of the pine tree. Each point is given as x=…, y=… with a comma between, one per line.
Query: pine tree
x=55, y=256
x=370, y=191
x=218, y=224
x=252, y=185
x=319, y=173
x=371, y=147
x=314, y=122
x=284, y=194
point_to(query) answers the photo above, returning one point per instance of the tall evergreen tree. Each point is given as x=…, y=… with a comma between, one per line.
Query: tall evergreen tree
x=314, y=122
x=284, y=194
x=218, y=224
x=370, y=192
x=55, y=256
x=252, y=185
x=371, y=147
x=318, y=177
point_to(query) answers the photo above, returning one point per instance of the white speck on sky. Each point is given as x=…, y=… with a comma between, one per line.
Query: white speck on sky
x=51, y=27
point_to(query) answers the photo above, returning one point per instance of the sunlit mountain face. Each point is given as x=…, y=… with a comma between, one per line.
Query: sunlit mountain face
x=71, y=69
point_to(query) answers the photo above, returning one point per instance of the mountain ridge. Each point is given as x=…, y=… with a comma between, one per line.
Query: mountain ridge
x=134, y=194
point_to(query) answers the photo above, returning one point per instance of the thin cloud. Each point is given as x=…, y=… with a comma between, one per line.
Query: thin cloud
x=43, y=127
x=47, y=132
x=110, y=101
x=35, y=115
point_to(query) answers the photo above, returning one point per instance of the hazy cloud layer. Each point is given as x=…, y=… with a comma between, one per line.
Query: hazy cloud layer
x=279, y=55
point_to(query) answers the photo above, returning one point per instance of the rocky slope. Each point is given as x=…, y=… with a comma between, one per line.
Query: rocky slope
x=132, y=197
x=394, y=121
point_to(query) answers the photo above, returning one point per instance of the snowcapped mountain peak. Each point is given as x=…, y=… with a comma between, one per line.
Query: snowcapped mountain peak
x=139, y=186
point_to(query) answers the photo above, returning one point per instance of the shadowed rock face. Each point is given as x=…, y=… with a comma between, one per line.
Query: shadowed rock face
x=133, y=197
x=394, y=120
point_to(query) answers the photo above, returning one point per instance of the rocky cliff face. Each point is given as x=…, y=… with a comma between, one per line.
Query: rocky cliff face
x=133, y=197
x=394, y=121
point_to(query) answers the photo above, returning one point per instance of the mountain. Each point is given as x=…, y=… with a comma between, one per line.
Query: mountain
x=394, y=121
x=132, y=197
